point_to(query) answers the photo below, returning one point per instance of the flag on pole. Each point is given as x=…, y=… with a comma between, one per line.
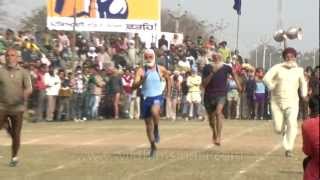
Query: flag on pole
x=237, y=6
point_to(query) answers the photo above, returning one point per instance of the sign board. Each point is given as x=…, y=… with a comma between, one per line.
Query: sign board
x=135, y=16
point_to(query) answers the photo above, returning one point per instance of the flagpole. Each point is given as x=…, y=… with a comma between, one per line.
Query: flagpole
x=238, y=27
x=237, y=7
x=74, y=31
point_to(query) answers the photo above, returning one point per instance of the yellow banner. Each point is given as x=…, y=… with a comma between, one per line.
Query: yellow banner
x=106, y=9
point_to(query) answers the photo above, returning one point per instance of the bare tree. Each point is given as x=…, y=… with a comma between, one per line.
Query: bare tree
x=191, y=25
x=36, y=21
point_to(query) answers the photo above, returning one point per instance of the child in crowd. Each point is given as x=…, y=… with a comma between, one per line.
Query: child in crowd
x=259, y=94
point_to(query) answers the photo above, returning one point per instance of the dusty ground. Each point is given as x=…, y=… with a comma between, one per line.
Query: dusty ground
x=117, y=150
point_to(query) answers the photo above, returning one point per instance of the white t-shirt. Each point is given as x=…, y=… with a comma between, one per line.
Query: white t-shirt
x=53, y=83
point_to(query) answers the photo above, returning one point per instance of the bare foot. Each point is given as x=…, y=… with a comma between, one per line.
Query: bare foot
x=217, y=142
x=214, y=139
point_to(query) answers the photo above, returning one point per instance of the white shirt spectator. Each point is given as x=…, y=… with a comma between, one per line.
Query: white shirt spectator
x=184, y=65
x=64, y=42
x=53, y=84
x=45, y=60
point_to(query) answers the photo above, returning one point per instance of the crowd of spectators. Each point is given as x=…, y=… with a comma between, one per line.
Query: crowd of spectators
x=90, y=76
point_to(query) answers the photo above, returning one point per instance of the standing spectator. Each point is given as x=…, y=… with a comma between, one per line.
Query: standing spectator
x=47, y=40
x=202, y=59
x=161, y=60
x=175, y=95
x=194, y=94
x=237, y=68
x=87, y=93
x=123, y=43
x=284, y=80
x=192, y=50
x=211, y=44
x=40, y=92
x=175, y=40
x=314, y=83
x=162, y=42
x=78, y=83
x=184, y=92
x=137, y=41
x=95, y=84
x=102, y=57
x=135, y=104
x=53, y=84
x=224, y=51
x=233, y=98
x=92, y=55
x=184, y=64
x=64, y=45
x=114, y=89
x=64, y=42
x=250, y=86
x=303, y=105
x=191, y=59
x=132, y=54
x=259, y=95
x=64, y=98
x=199, y=41
x=127, y=81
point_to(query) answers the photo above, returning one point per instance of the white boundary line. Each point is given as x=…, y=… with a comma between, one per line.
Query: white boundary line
x=176, y=160
x=209, y=146
x=256, y=162
x=72, y=162
x=34, y=140
x=89, y=143
x=93, y=142
x=144, y=145
x=137, y=147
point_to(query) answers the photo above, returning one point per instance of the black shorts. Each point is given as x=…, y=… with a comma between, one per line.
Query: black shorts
x=211, y=102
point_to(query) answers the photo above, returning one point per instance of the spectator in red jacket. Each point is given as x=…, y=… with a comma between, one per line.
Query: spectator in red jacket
x=127, y=81
x=40, y=92
x=311, y=145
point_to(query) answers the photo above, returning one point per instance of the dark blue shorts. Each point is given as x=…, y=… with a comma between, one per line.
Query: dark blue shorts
x=211, y=102
x=148, y=103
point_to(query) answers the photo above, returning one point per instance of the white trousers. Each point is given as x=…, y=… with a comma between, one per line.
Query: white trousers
x=286, y=122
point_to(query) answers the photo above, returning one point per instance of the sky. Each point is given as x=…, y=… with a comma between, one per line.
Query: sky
x=258, y=20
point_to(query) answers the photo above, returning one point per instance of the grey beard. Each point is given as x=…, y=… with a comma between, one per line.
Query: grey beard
x=217, y=66
x=150, y=64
